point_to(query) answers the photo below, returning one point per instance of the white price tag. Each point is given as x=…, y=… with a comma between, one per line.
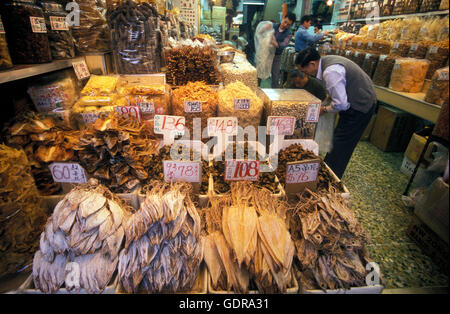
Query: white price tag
x=242, y=170
x=81, y=69
x=241, y=104
x=169, y=124
x=222, y=126
x=414, y=47
x=356, y=53
x=396, y=45
x=302, y=172
x=192, y=106
x=383, y=57
x=90, y=117
x=433, y=49
x=443, y=76
x=370, y=44
x=67, y=172
x=146, y=106
x=38, y=24
x=280, y=125
x=58, y=23
x=187, y=171
x=313, y=113
x=129, y=112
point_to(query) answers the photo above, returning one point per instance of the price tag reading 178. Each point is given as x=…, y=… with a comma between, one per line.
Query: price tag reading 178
x=67, y=172
x=302, y=172
x=187, y=171
x=241, y=104
x=240, y=170
x=169, y=124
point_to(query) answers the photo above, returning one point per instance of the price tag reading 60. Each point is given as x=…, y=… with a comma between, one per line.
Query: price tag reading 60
x=187, y=171
x=67, y=172
x=168, y=124
x=240, y=170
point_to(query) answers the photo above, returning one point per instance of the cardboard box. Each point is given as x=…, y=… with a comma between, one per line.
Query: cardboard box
x=392, y=130
x=429, y=243
x=432, y=210
x=369, y=128
x=415, y=147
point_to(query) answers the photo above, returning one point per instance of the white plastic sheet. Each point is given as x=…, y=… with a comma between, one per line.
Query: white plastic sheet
x=265, y=50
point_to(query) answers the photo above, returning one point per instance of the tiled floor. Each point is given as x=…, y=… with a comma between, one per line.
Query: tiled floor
x=376, y=186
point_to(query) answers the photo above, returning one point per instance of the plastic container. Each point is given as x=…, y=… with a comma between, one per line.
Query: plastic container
x=437, y=56
x=5, y=58
x=438, y=92
x=408, y=75
x=370, y=63
x=383, y=71
x=59, y=34
x=26, y=32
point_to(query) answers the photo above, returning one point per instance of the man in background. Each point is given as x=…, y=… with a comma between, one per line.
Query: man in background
x=317, y=29
x=281, y=40
x=303, y=39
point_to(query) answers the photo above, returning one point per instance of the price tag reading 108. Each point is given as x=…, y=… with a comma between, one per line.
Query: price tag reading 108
x=240, y=170
x=302, y=172
x=186, y=171
x=67, y=172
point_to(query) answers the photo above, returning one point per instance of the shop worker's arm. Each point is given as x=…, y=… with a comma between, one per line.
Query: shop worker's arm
x=335, y=83
x=303, y=35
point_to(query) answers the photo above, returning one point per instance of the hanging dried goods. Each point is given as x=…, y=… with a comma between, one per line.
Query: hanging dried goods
x=22, y=212
x=86, y=229
x=162, y=250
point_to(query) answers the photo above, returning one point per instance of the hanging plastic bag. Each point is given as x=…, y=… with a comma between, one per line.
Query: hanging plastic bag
x=324, y=132
x=265, y=50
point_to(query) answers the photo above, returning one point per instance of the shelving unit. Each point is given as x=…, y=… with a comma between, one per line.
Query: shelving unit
x=402, y=16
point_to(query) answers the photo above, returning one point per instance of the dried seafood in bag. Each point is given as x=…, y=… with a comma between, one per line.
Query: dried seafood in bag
x=247, y=242
x=239, y=70
x=400, y=48
x=383, y=71
x=100, y=85
x=330, y=243
x=438, y=91
x=370, y=63
x=228, y=98
x=438, y=55
x=117, y=152
x=22, y=212
x=408, y=75
x=162, y=251
x=85, y=232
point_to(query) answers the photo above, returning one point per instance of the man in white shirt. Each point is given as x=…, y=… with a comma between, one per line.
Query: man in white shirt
x=353, y=96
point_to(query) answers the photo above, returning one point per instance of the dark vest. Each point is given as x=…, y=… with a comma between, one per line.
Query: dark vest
x=360, y=91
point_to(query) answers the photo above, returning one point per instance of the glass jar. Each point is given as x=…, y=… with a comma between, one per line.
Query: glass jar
x=5, y=59
x=59, y=34
x=26, y=32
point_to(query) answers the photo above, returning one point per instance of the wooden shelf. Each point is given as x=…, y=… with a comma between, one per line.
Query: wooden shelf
x=412, y=103
x=29, y=70
x=402, y=16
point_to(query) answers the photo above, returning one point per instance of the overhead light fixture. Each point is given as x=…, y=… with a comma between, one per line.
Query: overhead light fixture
x=329, y=3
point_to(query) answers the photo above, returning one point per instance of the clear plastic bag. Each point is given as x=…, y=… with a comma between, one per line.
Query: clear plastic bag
x=265, y=50
x=438, y=92
x=383, y=71
x=401, y=48
x=437, y=55
x=135, y=38
x=324, y=132
x=408, y=75
x=370, y=63
x=100, y=85
x=5, y=58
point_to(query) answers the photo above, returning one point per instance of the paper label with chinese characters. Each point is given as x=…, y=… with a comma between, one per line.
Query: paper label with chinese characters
x=67, y=172
x=186, y=171
x=280, y=125
x=241, y=104
x=242, y=170
x=192, y=106
x=81, y=69
x=38, y=24
x=169, y=124
x=58, y=23
x=222, y=126
x=313, y=113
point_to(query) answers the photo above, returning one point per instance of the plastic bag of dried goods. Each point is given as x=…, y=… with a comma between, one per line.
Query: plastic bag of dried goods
x=325, y=131
x=438, y=91
x=265, y=50
x=408, y=75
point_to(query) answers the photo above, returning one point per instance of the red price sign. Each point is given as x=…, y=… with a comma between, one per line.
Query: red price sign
x=81, y=69
x=187, y=171
x=302, y=172
x=129, y=112
x=165, y=124
x=222, y=126
x=67, y=172
x=313, y=113
x=280, y=125
x=240, y=170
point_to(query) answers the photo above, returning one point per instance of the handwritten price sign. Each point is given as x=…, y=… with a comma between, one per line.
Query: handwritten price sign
x=302, y=172
x=222, y=126
x=67, y=172
x=192, y=106
x=187, y=171
x=241, y=104
x=240, y=170
x=280, y=125
x=129, y=112
x=81, y=69
x=313, y=113
x=168, y=124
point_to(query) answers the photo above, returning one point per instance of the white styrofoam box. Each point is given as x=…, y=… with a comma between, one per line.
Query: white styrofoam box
x=376, y=289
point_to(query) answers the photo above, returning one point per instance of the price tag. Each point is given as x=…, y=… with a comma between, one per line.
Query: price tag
x=90, y=117
x=81, y=69
x=67, y=172
x=370, y=44
x=433, y=49
x=359, y=43
x=187, y=171
x=222, y=126
x=241, y=104
x=356, y=53
x=169, y=124
x=414, y=47
x=144, y=105
x=192, y=106
x=368, y=55
x=396, y=45
x=302, y=172
x=129, y=112
x=313, y=113
x=443, y=76
x=347, y=53
x=38, y=24
x=383, y=57
x=242, y=170
x=280, y=125
x=58, y=23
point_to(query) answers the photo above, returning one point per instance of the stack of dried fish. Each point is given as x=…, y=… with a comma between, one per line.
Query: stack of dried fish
x=248, y=241
x=117, y=152
x=22, y=214
x=44, y=142
x=162, y=251
x=330, y=243
x=192, y=64
x=83, y=235
x=295, y=152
